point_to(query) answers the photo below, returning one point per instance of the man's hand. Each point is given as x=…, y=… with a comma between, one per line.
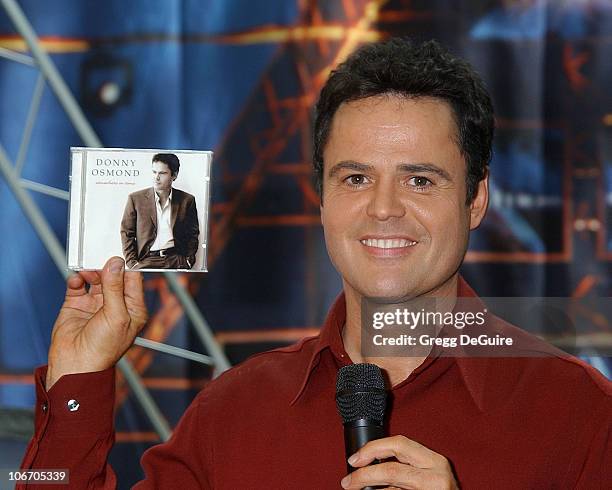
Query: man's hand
x=417, y=467
x=94, y=328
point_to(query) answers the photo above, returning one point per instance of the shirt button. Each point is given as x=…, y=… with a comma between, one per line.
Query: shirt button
x=44, y=407
x=73, y=405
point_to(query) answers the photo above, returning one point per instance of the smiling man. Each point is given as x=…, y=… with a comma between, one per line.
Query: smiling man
x=395, y=205
x=402, y=142
x=395, y=210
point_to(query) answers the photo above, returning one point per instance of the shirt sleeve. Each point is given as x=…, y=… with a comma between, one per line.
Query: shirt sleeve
x=74, y=428
x=74, y=431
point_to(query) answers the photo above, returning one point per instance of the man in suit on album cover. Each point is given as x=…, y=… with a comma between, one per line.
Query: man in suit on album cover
x=160, y=227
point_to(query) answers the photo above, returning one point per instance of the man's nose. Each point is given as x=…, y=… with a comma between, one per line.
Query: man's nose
x=385, y=201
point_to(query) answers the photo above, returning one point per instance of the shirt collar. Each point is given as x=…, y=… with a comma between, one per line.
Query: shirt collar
x=330, y=337
x=472, y=369
x=157, y=197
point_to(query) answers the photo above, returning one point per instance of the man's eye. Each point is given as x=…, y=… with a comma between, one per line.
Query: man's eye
x=420, y=181
x=356, y=180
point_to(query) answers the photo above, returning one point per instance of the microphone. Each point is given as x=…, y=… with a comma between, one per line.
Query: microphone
x=361, y=400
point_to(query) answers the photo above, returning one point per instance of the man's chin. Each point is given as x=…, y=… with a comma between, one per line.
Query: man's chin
x=389, y=293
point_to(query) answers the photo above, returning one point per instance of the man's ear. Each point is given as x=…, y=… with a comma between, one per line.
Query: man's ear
x=478, y=206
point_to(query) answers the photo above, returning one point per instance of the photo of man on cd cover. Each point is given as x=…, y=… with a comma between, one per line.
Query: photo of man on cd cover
x=148, y=205
x=159, y=228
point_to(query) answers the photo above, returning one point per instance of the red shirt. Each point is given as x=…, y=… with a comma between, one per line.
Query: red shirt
x=271, y=422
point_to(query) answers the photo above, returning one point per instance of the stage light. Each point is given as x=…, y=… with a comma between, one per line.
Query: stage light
x=106, y=83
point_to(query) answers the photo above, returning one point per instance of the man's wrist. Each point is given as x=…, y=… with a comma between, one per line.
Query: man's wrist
x=53, y=375
x=50, y=379
x=76, y=397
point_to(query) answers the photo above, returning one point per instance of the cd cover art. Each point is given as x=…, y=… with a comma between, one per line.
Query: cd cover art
x=148, y=206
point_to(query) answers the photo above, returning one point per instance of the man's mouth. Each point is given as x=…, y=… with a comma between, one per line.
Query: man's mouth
x=388, y=243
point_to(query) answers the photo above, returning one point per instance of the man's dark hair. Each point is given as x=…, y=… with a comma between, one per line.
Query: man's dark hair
x=406, y=69
x=169, y=159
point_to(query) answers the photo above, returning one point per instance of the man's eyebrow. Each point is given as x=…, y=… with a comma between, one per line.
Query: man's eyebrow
x=350, y=165
x=424, y=168
x=404, y=167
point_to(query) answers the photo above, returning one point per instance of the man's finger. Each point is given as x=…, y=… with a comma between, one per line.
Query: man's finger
x=391, y=474
x=91, y=277
x=112, y=289
x=134, y=298
x=75, y=286
x=133, y=287
x=403, y=449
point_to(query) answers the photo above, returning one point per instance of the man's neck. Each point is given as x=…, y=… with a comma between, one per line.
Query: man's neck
x=397, y=368
x=163, y=196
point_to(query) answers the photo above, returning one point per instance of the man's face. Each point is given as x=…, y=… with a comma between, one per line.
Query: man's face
x=394, y=207
x=162, y=177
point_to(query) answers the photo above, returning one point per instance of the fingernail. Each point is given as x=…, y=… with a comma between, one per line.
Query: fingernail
x=353, y=459
x=346, y=481
x=116, y=266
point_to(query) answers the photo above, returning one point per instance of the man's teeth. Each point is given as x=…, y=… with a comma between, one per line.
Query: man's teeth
x=388, y=243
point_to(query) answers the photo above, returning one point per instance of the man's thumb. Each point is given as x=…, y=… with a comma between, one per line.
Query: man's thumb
x=112, y=288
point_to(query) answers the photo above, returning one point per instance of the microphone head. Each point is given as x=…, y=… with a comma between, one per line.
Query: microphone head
x=360, y=393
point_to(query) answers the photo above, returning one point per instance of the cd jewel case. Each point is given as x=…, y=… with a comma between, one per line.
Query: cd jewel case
x=150, y=207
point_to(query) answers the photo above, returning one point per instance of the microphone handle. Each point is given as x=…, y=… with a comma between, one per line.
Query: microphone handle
x=356, y=434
